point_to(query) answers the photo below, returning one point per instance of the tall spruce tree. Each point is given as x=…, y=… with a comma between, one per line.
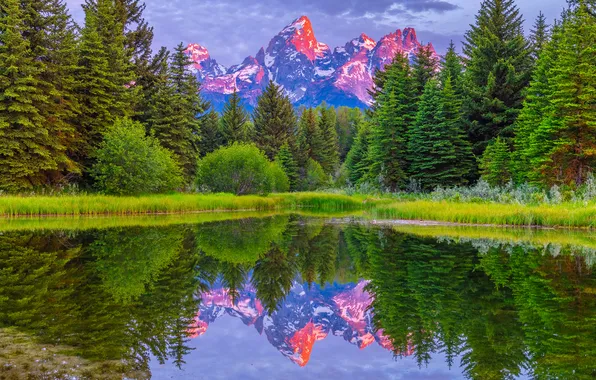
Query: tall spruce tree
x=424, y=68
x=452, y=68
x=495, y=163
x=556, y=128
x=498, y=69
x=286, y=161
x=432, y=152
x=211, y=137
x=310, y=141
x=176, y=113
x=274, y=121
x=103, y=84
x=394, y=111
x=329, y=156
x=539, y=36
x=357, y=160
x=28, y=149
x=51, y=34
x=235, y=122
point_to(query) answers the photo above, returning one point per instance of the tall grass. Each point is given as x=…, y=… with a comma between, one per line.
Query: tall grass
x=579, y=214
x=564, y=215
x=11, y=206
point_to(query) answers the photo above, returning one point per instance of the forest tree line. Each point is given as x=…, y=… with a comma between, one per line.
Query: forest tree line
x=511, y=108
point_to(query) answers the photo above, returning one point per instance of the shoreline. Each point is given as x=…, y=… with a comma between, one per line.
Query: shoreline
x=380, y=210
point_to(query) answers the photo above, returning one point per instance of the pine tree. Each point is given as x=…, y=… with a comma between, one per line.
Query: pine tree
x=102, y=85
x=211, y=137
x=329, y=158
x=274, y=120
x=394, y=111
x=357, y=162
x=310, y=141
x=51, y=34
x=495, y=163
x=176, y=111
x=432, y=152
x=539, y=36
x=28, y=149
x=561, y=147
x=498, y=68
x=452, y=68
x=424, y=68
x=235, y=121
x=288, y=164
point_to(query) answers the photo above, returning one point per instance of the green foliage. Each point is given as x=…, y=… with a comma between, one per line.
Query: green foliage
x=235, y=122
x=309, y=137
x=329, y=155
x=104, y=76
x=31, y=147
x=555, y=134
x=128, y=162
x=498, y=68
x=274, y=121
x=240, y=169
x=348, y=124
x=539, y=36
x=175, y=115
x=211, y=136
x=452, y=68
x=357, y=161
x=394, y=111
x=438, y=152
x=495, y=163
x=315, y=178
x=424, y=68
x=286, y=161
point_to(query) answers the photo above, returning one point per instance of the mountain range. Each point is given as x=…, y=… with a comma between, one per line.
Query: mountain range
x=306, y=316
x=308, y=70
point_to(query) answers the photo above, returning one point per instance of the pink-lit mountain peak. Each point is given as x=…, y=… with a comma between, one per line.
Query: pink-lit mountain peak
x=308, y=70
x=301, y=34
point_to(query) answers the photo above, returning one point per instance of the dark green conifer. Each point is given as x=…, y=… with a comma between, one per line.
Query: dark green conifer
x=495, y=163
x=432, y=152
x=235, y=122
x=394, y=111
x=539, y=36
x=424, y=68
x=274, y=121
x=288, y=164
x=498, y=68
x=452, y=68
x=211, y=137
x=559, y=118
x=176, y=113
x=29, y=148
x=357, y=160
x=329, y=156
x=51, y=34
x=310, y=141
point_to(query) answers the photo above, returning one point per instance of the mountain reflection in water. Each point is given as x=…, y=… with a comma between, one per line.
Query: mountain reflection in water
x=135, y=302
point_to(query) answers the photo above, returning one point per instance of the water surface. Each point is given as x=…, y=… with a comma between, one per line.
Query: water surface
x=295, y=297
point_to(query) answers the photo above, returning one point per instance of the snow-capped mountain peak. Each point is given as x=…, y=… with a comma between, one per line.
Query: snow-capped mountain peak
x=308, y=70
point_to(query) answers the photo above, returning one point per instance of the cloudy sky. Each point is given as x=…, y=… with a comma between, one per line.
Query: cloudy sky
x=234, y=29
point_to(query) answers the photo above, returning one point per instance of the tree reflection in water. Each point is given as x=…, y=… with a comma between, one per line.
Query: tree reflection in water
x=495, y=310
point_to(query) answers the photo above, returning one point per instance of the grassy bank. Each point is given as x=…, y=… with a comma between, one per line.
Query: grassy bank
x=11, y=206
x=571, y=215
x=563, y=215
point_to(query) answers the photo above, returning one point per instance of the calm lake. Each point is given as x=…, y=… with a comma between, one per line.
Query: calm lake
x=294, y=297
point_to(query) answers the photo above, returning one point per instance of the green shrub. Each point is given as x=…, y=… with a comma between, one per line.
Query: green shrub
x=316, y=178
x=240, y=169
x=131, y=163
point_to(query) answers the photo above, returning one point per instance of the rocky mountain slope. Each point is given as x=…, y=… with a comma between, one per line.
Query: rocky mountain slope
x=308, y=70
x=303, y=318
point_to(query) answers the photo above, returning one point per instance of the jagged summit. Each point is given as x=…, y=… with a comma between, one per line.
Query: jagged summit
x=308, y=70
